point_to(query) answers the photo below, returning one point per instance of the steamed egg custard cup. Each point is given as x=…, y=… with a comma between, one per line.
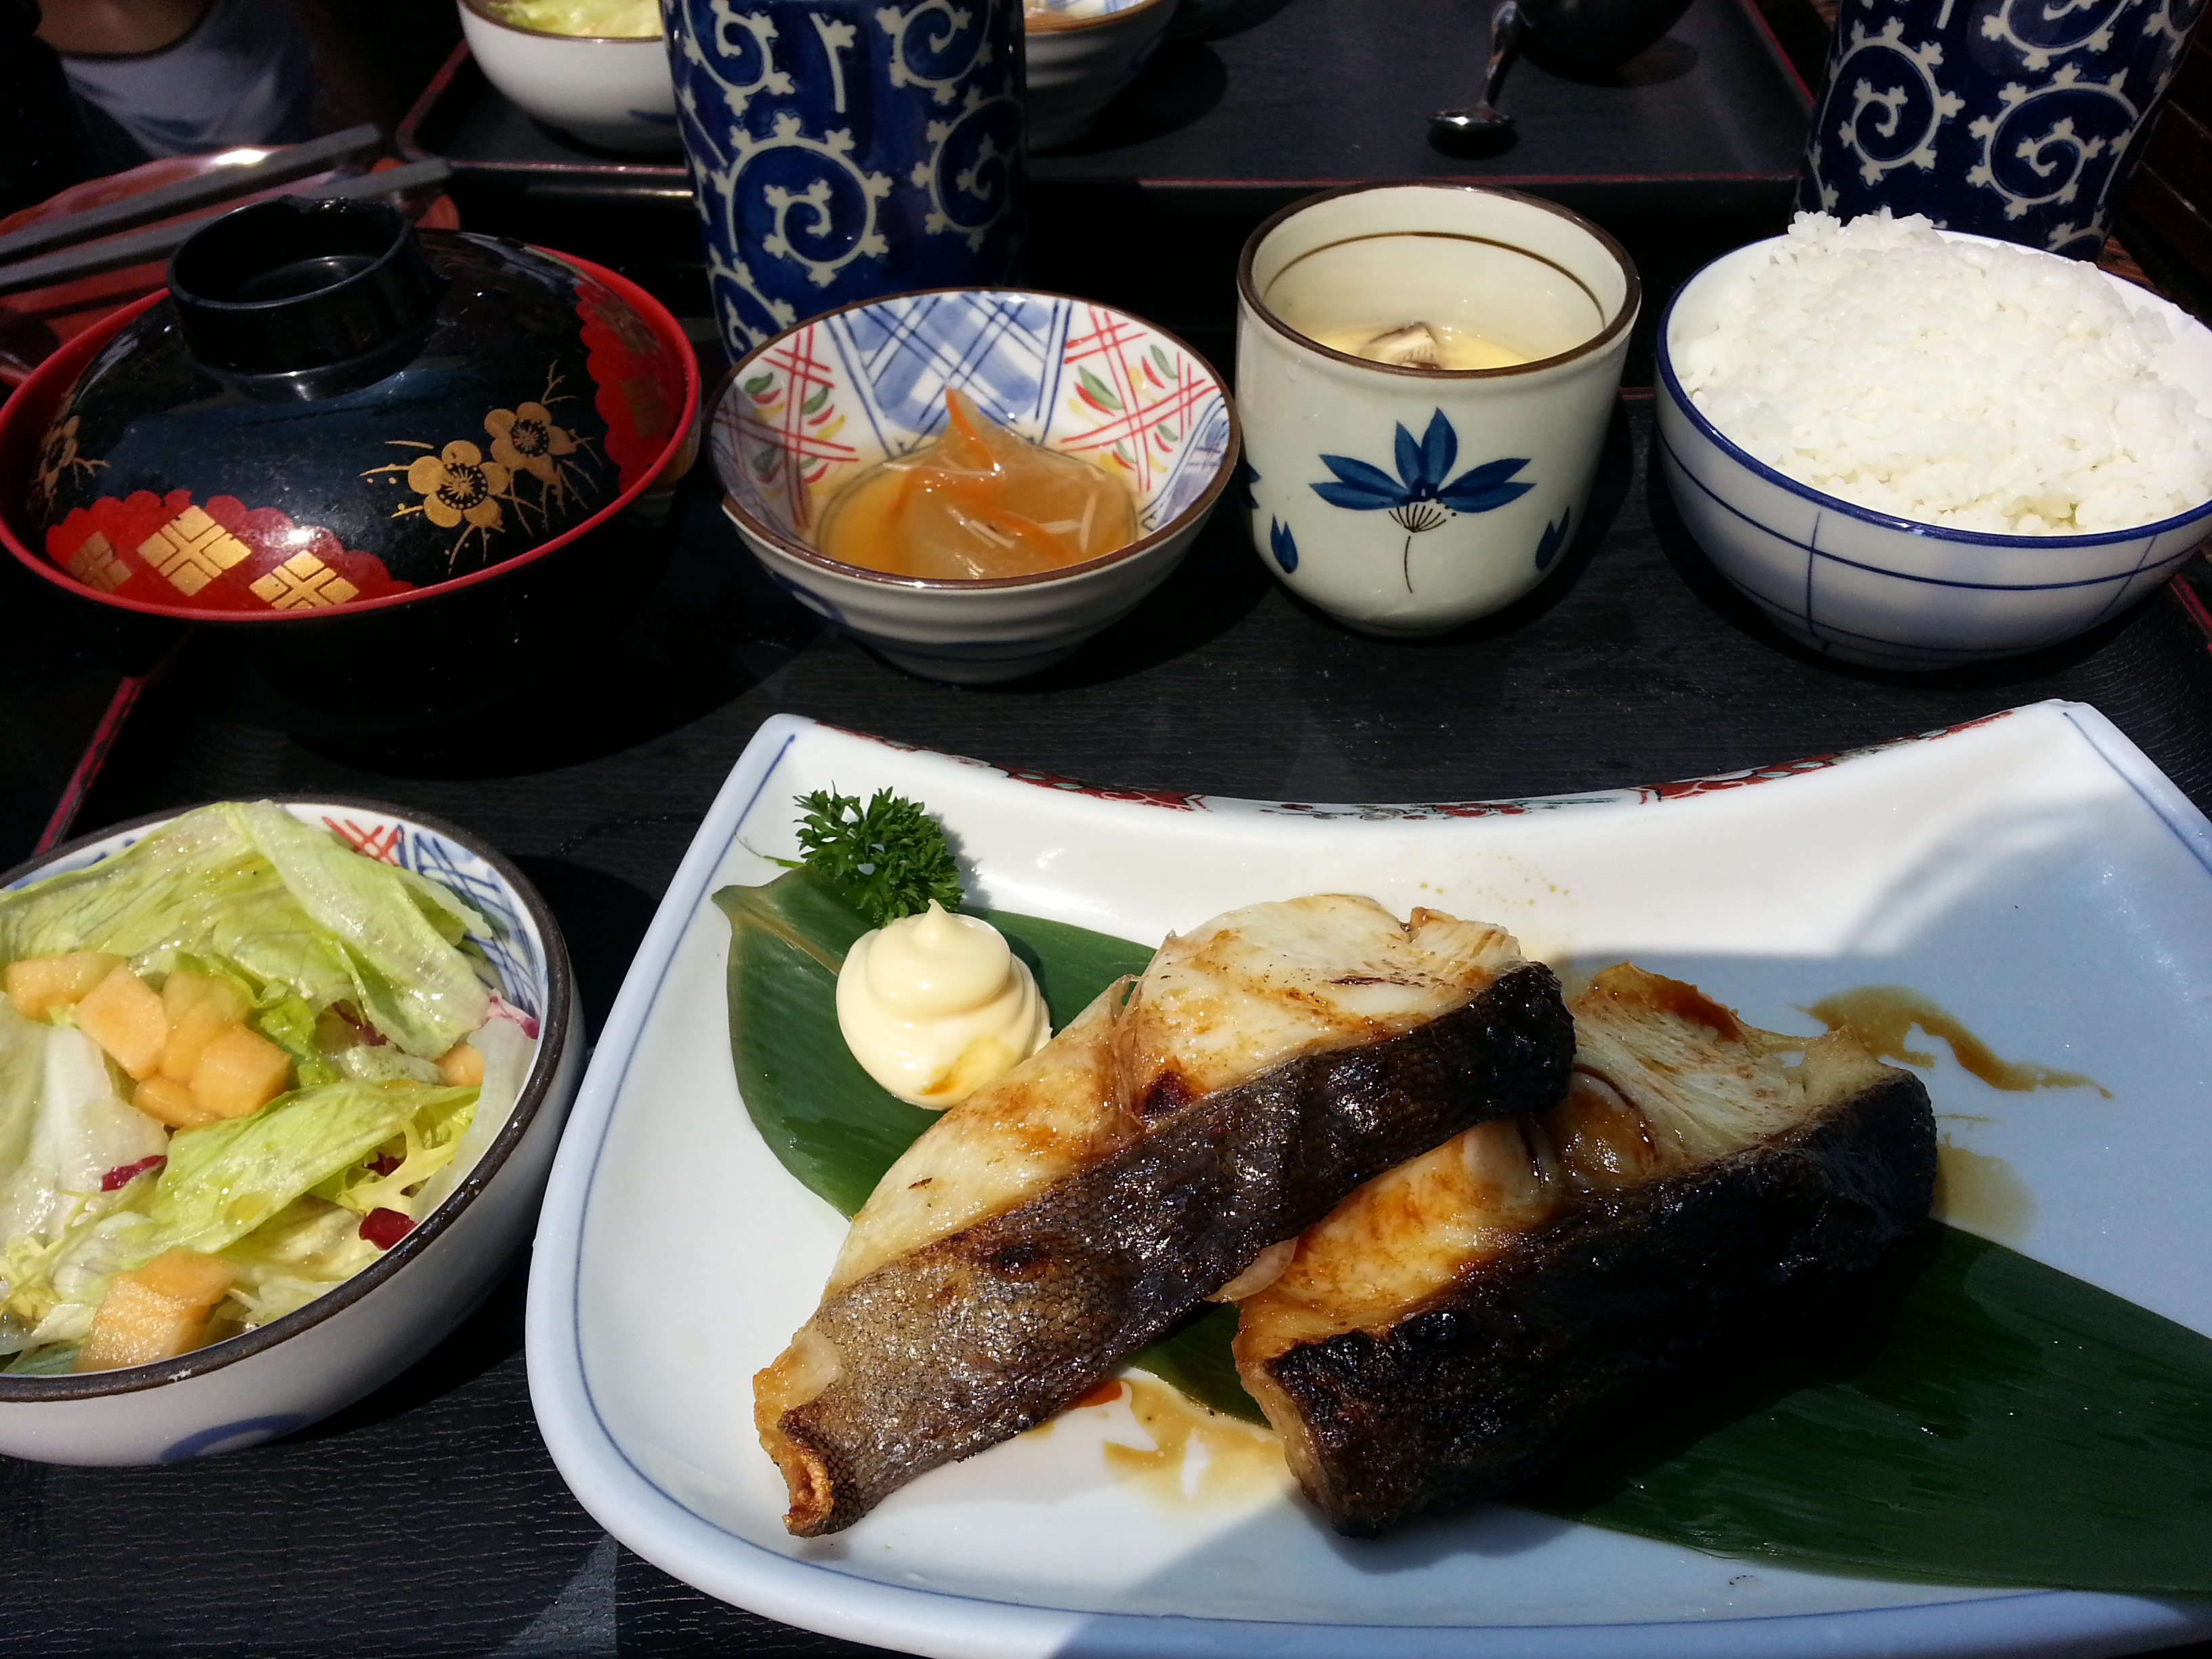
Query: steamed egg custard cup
x=803, y=414
x=1868, y=587
x=1404, y=499
x=366, y=1329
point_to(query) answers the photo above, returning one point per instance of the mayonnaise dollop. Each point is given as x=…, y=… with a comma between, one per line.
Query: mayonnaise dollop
x=935, y=1005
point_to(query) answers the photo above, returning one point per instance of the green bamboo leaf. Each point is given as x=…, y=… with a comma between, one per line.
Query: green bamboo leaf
x=816, y=402
x=1196, y=1359
x=2017, y=1426
x=828, y=1121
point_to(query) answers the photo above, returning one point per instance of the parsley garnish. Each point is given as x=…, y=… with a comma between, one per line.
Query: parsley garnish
x=888, y=859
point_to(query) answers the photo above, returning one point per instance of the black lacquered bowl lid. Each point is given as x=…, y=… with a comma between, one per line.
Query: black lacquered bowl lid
x=346, y=420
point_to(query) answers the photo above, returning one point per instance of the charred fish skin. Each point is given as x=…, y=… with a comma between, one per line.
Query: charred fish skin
x=1466, y=1397
x=980, y=1335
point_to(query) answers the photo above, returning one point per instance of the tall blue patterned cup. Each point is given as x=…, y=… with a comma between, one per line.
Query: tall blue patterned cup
x=2011, y=118
x=841, y=149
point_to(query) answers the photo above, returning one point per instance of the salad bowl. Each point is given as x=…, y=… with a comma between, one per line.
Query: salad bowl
x=364, y=1330
x=611, y=90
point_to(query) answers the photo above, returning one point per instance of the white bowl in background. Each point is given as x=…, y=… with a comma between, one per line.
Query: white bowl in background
x=1868, y=587
x=1081, y=53
x=614, y=91
x=368, y=1328
x=803, y=414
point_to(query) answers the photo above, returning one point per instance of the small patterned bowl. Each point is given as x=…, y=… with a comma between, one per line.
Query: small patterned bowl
x=366, y=1330
x=1867, y=588
x=801, y=416
x=1081, y=53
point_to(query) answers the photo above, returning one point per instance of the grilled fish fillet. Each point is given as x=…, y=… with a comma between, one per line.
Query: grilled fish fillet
x=1047, y=1227
x=1464, y=1319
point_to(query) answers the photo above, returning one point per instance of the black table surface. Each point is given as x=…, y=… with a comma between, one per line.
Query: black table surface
x=428, y=1520
x=1298, y=94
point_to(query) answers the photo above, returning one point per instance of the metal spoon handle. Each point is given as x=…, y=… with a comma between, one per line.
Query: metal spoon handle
x=1507, y=27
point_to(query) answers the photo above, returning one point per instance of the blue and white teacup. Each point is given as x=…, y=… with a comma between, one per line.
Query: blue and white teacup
x=843, y=149
x=2018, y=119
x=1406, y=499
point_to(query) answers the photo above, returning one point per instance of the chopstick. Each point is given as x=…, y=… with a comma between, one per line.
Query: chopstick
x=94, y=258
x=277, y=166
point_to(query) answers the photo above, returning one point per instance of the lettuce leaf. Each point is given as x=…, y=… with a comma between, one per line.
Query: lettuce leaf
x=429, y=1140
x=287, y=902
x=295, y=1256
x=162, y=894
x=508, y=1054
x=408, y=980
x=82, y=1128
x=226, y=1179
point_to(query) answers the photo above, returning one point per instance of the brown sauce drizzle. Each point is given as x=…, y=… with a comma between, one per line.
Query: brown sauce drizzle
x=1982, y=1193
x=1242, y=1460
x=1883, y=1016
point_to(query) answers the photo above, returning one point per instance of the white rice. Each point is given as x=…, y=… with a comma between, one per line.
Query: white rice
x=1961, y=383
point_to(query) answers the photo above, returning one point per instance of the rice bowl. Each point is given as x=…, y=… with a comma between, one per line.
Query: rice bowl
x=1973, y=385
x=1874, y=586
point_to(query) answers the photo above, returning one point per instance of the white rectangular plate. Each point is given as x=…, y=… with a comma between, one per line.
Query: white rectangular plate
x=2032, y=872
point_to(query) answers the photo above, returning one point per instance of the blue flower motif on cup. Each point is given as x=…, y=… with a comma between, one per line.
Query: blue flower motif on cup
x=1419, y=499
x=1246, y=476
x=1553, y=539
x=1282, y=543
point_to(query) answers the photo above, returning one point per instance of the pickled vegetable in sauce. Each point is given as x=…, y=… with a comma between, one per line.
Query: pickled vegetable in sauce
x=980, y=501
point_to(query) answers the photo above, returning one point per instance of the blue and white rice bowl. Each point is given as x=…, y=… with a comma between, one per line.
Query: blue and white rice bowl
x=365, y=1330
x=1871, y=588
x=803, y=414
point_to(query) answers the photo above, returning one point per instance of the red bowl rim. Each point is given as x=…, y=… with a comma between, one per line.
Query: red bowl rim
x=41, y=388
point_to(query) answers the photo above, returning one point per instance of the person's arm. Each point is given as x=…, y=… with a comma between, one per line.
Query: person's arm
x=117, y=28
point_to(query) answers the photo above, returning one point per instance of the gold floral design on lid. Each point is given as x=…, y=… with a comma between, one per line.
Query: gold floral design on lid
x=458, y=485
x=525, y=440
x=462, y=491
x=57, y=456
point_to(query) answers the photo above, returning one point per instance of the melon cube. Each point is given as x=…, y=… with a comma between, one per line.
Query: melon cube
x=239, y=1072
x=38, y=985
x=167, y=1101
x=199, y=1005
x=157, y=1311
x=124, y=1015
x=462, y=1066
